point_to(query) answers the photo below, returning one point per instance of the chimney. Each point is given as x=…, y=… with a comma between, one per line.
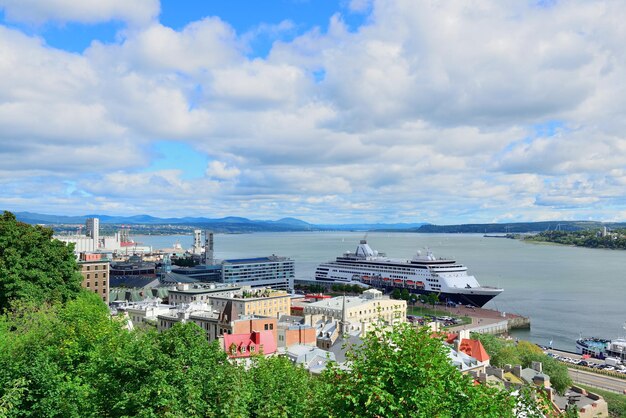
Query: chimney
x=517, y=371
x=255, y=336
x=482, y=377
x=537, y=366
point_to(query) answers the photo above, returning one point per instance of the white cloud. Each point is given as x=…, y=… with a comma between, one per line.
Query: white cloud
x=220, y=171
x=40, y=11
x=430, y=109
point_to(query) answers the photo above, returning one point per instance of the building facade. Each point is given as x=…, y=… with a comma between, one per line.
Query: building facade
x=275, y=272
x=358, y=312
x=95, y=271
x=260, y=302
x=190, y=293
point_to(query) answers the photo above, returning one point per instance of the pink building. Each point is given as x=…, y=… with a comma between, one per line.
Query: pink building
x=244, y=345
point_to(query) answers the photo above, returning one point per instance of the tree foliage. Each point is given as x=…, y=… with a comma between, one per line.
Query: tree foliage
x=404, y=372
x=33, y=266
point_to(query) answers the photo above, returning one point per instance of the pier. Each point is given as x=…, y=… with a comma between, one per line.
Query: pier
x=488, y=321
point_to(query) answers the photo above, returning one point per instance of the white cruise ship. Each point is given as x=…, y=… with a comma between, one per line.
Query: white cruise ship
x=423, y=274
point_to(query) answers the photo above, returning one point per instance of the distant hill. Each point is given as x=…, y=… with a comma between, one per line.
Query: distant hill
x=227, y=224
x=515, y=227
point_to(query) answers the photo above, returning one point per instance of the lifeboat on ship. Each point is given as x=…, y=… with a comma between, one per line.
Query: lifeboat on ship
x=410, y=282
x=397, y=281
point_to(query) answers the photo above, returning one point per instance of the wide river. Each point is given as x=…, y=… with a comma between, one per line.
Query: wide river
x=566, y=291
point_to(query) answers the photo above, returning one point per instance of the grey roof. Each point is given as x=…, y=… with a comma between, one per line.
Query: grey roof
x=312, y=358
x=290, y=319
x=529, y=374
x=133, y=281
x=174, y=278
x=343, y=345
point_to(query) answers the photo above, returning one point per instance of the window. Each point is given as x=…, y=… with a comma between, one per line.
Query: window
x=104, y=283
x=266, y=327
x=95, y=275
x=271, y=326
x=88, y=285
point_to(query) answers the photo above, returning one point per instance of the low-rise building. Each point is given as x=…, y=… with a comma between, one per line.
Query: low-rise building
x=291, y=333
x=260, y=302
x=95, y=271
x=244, y=345
x=185, y=293
x=145, y=311
x=313, y=359
x=361, y=312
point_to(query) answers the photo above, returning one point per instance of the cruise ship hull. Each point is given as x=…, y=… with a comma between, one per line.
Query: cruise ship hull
x=474, y=299
x=424, y=274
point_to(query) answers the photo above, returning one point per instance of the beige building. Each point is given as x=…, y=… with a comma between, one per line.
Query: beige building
x=260, y=302
x=361, y=312
x=186, y=293
x=95, y=271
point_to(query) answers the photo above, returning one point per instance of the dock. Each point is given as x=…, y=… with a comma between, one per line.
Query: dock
x=488, y=321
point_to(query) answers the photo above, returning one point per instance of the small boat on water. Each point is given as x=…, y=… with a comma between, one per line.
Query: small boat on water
x=602, y=348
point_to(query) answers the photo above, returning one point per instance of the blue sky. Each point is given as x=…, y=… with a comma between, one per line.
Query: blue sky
x=328, y=111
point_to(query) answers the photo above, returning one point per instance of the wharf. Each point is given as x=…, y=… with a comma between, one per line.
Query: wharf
x=488, y=321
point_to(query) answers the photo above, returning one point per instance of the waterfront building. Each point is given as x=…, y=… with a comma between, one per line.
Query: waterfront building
x=95, y=271
x=273, y=271
x=358, y=313
x=201, y=273
x=82, y=243
x=93, y=230
x=134, y=266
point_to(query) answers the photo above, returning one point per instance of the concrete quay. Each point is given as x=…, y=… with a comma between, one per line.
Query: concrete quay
x=487, y=321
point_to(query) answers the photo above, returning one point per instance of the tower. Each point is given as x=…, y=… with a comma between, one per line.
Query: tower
x=344, y=324
x=208, y=248
x=197, y=241
x=93, y=230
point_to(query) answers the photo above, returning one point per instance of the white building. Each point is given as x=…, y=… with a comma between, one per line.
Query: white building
x=358, y=312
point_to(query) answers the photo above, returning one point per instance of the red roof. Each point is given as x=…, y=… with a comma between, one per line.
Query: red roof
x=242, y=345
x=451, y=337
x=474, y=348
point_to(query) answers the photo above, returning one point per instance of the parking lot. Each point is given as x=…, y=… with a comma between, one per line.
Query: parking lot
x=591, y=363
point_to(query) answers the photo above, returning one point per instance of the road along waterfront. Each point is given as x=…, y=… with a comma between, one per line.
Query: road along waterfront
x=597, y=380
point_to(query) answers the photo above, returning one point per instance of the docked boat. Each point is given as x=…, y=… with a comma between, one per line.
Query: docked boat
x=423, y=274
x=603, y=348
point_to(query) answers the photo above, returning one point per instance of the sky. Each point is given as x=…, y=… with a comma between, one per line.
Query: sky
x=330, y=111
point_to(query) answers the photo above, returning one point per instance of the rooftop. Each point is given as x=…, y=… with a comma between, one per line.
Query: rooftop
x=269, y=259
x=337, y=302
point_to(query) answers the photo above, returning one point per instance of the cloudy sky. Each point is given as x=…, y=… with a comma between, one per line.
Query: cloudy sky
x=324, y=110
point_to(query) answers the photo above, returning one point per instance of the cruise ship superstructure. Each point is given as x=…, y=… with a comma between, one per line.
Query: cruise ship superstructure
x=422, y=274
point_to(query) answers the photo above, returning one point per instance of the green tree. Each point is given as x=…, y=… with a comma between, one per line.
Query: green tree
x=280, y=389
x=404, y=372
x=33, y=266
